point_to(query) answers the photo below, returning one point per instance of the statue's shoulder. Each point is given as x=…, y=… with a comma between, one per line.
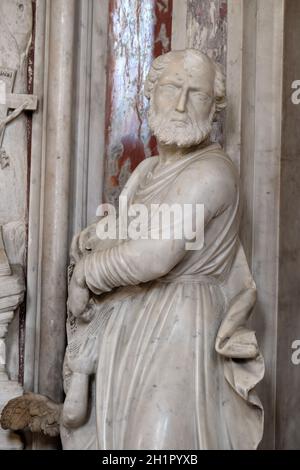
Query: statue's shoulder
x=146, y=164
x=214, y=162
x=139, y=172
x=212, y=170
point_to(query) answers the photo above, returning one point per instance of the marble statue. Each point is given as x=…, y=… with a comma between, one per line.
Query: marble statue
x=159, y=354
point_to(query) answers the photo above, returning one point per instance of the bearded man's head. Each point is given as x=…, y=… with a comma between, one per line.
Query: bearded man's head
x=186, y=89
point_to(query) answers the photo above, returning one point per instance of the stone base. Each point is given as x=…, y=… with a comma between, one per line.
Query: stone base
x=8, y=439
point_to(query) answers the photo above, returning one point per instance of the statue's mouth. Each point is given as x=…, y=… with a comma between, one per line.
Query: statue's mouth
x=180, y=121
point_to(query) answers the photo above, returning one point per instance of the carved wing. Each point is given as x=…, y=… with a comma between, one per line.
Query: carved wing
x=32, y=411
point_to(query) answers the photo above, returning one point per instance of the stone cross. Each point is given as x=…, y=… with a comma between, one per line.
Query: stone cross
x=10, y=101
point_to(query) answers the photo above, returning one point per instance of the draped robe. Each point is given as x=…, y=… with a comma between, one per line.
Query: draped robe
x=177, y=365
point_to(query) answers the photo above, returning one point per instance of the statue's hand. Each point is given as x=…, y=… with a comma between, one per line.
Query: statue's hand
x=80, y=242
x=79, y=294
x=86, y=361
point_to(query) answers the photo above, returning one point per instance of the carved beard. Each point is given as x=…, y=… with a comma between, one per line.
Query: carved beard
x=185, y=133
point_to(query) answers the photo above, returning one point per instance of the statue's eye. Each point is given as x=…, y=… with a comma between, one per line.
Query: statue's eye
x=200, y=96
x=168, y=87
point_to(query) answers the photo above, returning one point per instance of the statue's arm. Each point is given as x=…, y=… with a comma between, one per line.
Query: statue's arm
x=80, y=241
x=138, y=261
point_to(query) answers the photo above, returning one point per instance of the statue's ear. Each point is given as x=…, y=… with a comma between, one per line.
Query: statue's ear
x=221, y=103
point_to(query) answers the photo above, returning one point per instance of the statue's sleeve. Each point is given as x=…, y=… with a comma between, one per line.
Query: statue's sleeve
x=131, y=263
x=138, y=261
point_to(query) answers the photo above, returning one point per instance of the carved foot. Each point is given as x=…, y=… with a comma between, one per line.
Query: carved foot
x=34, y=412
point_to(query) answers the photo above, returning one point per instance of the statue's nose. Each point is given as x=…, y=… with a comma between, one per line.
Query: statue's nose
x=181, y=103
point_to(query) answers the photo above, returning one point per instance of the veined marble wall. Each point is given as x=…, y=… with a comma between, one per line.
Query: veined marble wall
x=138, y=32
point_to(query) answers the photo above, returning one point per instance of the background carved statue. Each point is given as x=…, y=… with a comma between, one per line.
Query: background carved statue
x=159, y=355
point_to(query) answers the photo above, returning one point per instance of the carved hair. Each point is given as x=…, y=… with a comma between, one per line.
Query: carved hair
x=159, y=65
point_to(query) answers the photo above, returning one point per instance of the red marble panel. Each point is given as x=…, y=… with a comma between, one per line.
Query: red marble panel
x=138, y=32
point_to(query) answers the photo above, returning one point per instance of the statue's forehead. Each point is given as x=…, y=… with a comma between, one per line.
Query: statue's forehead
x=197, y=72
